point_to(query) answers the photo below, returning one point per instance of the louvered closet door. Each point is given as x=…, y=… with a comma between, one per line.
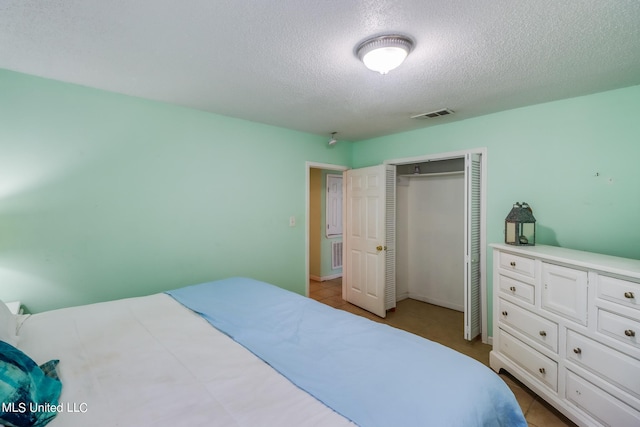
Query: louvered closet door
x=472, y=312
x=390, y=238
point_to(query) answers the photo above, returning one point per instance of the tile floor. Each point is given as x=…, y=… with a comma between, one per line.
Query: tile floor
x=446, y=327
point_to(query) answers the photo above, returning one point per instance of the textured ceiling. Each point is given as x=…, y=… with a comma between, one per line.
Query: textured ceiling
x=291, y=63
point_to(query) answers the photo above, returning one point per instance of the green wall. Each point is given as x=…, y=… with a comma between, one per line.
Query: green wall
x=104, y=196
x=575, y=161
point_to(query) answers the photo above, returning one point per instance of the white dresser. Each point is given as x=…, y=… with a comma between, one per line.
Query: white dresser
x=566, y=323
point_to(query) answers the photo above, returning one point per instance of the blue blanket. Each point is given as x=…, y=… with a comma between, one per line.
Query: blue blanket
x=370, y=373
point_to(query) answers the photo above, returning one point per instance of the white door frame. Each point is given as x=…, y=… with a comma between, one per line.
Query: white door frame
x=309, y=166
x=483, y=216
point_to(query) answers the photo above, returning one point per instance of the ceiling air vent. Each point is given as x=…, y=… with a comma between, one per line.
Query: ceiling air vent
x=433, y=114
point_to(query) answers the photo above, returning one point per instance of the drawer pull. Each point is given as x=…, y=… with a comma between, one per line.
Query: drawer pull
x=542, y=371
x=512, y=288
x=577, y=350
x=543, y=334
x=504, y=313
x=512, y=263
x=630, y=333
x=628, y=295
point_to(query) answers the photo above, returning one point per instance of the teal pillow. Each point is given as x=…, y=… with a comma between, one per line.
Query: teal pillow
x=29, y=393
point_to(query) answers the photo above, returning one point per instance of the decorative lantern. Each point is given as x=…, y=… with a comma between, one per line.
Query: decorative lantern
x=520, y=226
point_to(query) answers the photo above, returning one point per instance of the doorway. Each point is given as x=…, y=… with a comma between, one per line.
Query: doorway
x=430, y=232
x=441, y=233
x=319, y=245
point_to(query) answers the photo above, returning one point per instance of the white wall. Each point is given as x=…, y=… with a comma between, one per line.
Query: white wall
x=402, y=239
x=431, y=240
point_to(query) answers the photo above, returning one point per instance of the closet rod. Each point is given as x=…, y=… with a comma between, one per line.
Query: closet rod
x=409, y=175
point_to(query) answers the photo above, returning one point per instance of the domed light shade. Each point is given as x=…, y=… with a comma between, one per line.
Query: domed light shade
x=384, y=53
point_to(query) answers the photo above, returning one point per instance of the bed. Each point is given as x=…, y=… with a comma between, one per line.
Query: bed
x=240, y=352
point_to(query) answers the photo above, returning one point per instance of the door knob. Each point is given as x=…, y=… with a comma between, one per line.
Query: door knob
x=380, y=248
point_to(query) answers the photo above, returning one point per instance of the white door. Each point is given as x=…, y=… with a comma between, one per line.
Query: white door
x=472, y=311
x=334, y=205
x=365, y=237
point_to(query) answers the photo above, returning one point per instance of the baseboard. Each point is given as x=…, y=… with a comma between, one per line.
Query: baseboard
x=324, y=278
x=402, y=296
x=440, y=303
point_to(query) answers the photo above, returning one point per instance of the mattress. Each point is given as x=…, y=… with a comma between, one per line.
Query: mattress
x=240, y=352
x=150, y=361
x=371, y=373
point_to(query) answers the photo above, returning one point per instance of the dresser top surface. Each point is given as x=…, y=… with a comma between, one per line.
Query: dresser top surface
x=605, y=263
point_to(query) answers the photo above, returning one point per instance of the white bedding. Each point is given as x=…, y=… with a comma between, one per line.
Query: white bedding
x=150, y=361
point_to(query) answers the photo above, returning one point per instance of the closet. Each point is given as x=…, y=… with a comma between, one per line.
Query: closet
x=428, y=232
x=430, y=206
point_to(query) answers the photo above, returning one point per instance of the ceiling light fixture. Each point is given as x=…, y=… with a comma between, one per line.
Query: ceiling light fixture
x=333, y=139
x=384, y=53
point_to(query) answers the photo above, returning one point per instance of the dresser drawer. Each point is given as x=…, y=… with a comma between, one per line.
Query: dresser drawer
x=517, y=289
x=598, y=403
x=537, y=364
x=616, y=367
x=619, y=327
x=621, y=291
x=519, y=264
x=540, y=330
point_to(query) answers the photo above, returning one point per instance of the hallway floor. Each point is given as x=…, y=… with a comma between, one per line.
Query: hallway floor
x=444, y=326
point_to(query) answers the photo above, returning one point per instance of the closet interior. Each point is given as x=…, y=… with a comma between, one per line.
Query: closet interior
x=430, y=208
